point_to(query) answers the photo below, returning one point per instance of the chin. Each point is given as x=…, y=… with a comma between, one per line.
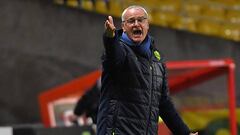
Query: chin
x=137, y=40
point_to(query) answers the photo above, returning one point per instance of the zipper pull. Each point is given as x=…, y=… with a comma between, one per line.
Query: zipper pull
x=151, y=67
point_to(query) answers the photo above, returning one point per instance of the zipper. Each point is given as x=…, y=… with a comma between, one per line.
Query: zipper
x=150, y=102
x=115, y=118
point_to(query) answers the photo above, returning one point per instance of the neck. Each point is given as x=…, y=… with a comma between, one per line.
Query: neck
x=129, y=41
x=141, y=47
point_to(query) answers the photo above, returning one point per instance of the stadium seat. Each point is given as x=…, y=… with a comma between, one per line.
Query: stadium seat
x=216, y=12
x=59, y=2
x=101, y=6
x=233, y=16
x=192, y=9
x=163, y=18
x=168, y=5
x=205, y=17
x=231, y=31
x=227, y=2
x=72, y=3
x=185, y=23
x=209, y=27
x=116, y=7
x=87, y=5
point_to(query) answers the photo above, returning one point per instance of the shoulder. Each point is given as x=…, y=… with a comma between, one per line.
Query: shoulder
x=156, y=52
x=158, y=55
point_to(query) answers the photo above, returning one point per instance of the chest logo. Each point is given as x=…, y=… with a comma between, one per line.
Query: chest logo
x=157, y=55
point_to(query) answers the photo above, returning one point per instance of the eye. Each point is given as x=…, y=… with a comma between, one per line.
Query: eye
x=140, y=20
x=131, y=21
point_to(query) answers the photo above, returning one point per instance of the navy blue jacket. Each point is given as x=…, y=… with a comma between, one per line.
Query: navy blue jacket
x=134, y=92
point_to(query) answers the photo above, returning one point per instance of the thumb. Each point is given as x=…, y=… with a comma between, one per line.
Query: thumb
x=110, y=20
x=109, y=27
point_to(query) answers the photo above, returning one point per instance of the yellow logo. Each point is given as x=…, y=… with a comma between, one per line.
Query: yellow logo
x=157, y=55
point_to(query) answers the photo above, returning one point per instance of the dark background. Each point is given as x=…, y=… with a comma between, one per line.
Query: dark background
x=43, y=45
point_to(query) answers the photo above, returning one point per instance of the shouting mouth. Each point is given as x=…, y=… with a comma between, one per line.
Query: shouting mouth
x=137, y=32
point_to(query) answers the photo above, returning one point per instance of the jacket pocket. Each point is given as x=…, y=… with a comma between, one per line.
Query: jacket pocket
x=111, y=131
x=113, y=117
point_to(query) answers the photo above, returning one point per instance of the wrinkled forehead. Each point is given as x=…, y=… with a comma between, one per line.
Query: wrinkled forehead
x=134, y=13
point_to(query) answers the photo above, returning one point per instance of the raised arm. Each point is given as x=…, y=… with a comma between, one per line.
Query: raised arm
x=114, y=52
x=109, y=27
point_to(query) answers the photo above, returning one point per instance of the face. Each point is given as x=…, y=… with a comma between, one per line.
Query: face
x=135, y=24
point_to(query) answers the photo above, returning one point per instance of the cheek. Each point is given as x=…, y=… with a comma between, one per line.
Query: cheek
x=146, y=30
x=126, y=28
x=146, y=27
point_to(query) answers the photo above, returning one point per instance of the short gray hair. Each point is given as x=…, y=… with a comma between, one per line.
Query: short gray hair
x=133, y=7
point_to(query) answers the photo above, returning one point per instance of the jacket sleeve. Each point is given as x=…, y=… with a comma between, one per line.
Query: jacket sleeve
x=114, y=51
x=168, y=112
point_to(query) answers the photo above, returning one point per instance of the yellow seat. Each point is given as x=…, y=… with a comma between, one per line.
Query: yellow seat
x=101, y=7
x=116, y=7
x=59, y=2
x=87, y=5
x=233, y=16
x=214, y=12
x=185, y=23
x=137, y=2
x=163, y=18
x=209, y=27
x=72, y=3
x=227, y=2
x=231, y=31
x=192, y=9
x=168, y=5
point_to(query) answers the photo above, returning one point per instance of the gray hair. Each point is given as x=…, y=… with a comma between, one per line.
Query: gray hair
x=133, y=7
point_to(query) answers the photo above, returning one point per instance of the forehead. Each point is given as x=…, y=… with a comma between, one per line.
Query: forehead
x=134, y=12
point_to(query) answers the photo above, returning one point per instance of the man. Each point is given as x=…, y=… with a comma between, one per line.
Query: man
x=134, y=85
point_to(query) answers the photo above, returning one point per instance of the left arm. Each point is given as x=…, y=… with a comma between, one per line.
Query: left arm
x=168, y=112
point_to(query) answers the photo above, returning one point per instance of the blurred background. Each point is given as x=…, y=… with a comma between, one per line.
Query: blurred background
x=45, y=44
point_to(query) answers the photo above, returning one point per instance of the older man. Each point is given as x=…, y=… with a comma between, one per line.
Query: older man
x=134, y=84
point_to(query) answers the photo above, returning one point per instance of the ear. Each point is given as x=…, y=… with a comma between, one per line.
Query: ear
x=148, y=25
x=123, y=27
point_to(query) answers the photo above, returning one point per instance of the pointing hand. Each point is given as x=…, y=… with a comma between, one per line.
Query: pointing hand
x=109, y=27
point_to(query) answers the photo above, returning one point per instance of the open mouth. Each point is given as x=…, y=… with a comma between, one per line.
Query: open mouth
x=137, y=32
